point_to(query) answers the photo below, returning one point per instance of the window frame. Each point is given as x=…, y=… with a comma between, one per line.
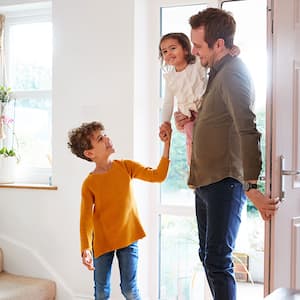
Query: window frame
x=179, y=210
x=164, y=208
x=28, y=14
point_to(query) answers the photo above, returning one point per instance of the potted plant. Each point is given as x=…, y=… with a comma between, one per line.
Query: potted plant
x=8, y=156
x=5, y=94
x=5, y=99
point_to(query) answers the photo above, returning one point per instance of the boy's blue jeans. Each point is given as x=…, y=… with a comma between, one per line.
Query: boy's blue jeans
x=218, y=211
x=127, y=258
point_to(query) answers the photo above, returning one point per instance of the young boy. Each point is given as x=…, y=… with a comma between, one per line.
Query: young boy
x=109, y=221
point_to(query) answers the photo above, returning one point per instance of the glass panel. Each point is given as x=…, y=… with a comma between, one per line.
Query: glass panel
x=174, y=190
x=176, y=18
x=33, y=132
x=176, y=231
x=181, y=273
x=30, y=56
x=251, y=37
x=29, y=65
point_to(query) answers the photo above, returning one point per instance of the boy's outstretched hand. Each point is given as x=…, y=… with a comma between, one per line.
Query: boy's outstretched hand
x=165, y=131
x=87, y=259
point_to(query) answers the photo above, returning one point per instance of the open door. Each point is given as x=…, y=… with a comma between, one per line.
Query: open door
x=284, y=129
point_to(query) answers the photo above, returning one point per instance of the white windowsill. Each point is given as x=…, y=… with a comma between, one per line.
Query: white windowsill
x=32, y=186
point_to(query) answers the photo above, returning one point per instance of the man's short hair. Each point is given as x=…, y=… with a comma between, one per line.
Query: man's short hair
x=217, y=23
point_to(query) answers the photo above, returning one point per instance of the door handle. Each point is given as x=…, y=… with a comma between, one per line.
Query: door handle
x=284, y=172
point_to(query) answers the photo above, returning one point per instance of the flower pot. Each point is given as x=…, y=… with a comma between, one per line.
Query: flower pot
x=8, y=166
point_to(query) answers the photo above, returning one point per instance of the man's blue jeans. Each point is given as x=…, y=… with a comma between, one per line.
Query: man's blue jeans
x=128, y=258
x=218, y=211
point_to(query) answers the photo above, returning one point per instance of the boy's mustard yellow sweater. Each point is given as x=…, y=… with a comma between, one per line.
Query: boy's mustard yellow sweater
x=109, y=218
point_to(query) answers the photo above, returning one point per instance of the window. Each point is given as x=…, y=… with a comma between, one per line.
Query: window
x=181, y=274
x=28, y=60
x=175, y=190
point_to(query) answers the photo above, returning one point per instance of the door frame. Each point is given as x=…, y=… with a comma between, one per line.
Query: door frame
x=269, y=134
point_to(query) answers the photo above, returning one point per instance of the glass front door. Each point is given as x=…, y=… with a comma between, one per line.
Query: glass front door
x=181, y=273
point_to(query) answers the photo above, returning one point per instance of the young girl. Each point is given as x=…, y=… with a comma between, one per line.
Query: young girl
x=185, y=79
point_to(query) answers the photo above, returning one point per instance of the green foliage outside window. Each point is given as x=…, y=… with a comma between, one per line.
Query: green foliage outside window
x=261, y=126
x=178, y=173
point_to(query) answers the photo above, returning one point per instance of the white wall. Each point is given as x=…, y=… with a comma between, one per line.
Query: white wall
x=146, y=143
x=99, y=73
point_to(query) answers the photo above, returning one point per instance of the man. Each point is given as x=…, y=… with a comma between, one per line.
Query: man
x=226, y=157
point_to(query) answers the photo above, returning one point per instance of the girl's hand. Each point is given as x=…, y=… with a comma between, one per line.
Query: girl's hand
x=180, y=120
x=87, y=259
x=235, y=51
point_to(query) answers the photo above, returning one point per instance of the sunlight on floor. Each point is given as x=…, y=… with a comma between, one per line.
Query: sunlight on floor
x=248, y=291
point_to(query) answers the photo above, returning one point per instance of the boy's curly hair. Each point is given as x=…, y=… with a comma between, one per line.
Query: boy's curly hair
x=80, y=138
